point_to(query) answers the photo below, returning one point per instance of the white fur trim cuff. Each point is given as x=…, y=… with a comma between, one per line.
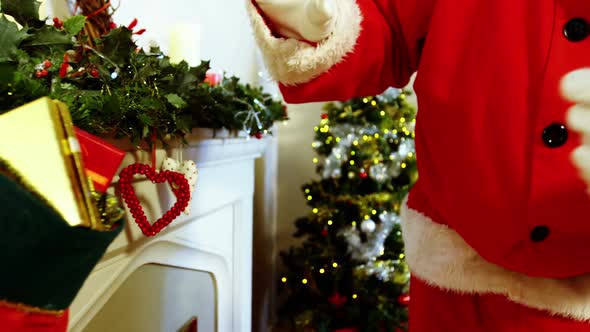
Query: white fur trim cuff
x=439, y=256
x=291, y=61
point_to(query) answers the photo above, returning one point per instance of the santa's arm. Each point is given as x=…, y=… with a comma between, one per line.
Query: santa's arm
x=373, y=44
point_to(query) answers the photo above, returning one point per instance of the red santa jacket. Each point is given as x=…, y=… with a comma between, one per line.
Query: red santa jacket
x=499, y=206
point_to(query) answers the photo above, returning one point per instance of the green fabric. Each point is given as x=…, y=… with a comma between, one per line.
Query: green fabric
x=44, y=261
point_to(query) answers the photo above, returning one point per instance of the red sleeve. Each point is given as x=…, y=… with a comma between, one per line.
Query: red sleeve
x=374, y=44
x=387, y=53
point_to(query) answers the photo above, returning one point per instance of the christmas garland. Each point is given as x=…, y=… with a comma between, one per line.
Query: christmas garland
x=112, y=87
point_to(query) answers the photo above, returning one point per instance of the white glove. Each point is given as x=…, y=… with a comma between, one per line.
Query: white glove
x=575, y=87
x=311, y=20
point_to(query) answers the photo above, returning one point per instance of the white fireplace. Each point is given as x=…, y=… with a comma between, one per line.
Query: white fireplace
x=204, y=259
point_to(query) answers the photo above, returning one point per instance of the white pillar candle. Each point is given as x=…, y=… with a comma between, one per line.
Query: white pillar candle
x=185, y=44
x=42, y=10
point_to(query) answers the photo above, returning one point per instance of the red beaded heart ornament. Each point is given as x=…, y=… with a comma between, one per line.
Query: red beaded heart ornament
x=177, y=181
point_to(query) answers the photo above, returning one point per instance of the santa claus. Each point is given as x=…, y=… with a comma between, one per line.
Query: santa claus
x=497, y=229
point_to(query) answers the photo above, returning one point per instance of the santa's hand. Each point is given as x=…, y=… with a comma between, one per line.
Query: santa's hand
x=575, y=87
x=311, y=20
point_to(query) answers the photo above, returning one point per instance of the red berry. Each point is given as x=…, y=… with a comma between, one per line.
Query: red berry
x=94, y=73
x=58, y=23
x=258, y=135
x=38, y=74
x=324, y=116
x=324, y=232
x=112, y=25
x=47, y=64
x=363, y=175
x=63, y=69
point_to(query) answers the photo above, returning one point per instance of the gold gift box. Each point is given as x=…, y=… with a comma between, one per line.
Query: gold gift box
x=38, y=140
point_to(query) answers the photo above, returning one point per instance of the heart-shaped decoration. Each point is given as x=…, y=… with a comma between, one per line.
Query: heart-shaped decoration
x=180, y=187
x=189, y=169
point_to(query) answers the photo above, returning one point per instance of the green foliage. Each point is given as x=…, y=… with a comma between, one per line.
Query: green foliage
x=114, y=89
x=25, y=12
x=354, y=141
x=74, y=24
x=10, y=39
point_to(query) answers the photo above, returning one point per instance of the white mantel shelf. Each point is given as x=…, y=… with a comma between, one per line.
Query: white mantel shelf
x=215, y=238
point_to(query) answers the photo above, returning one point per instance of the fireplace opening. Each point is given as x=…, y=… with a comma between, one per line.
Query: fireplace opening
x=158, y=298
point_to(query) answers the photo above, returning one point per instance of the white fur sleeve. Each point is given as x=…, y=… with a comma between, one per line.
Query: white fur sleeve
x=291, y=61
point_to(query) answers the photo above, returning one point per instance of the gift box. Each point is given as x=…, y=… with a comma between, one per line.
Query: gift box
x=38, y=140
x=101, y=159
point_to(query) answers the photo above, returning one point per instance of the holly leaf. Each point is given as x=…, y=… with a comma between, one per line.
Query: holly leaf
x=145, y=119
x=25, y=12
x=118, y=45
x=176, y=100
x=74, y=24
x=10, y=38
x=7, y=72
x=48, y=36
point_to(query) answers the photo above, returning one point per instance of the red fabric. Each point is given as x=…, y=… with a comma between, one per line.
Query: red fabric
x=386, y=53
x=487, y=87
x=432, y=309
x=14, y=320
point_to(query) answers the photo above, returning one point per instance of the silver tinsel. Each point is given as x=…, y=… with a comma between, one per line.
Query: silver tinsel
x=379, y=172
x=389, y=95
x=374, y=245
x=382, y=270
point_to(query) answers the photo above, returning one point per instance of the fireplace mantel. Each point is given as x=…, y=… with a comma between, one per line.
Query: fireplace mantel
x=215, y=238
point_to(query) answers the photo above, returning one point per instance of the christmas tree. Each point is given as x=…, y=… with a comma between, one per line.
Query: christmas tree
x=349, y=271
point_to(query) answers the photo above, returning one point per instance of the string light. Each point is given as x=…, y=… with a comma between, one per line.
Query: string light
x=316, y=160
x=382, y=252
x=309, y=198
x=404, y=165
x=352, y=163
x=355, y=143
x=386, y=131
x=402, y=256
x=322, y=271
x=394, y=131
x=365, y=138
x=315, y=210
x=411, y=154
x=334, y=265
x=376, y=161
x=304, y=281
x=374, y=212
x=402, y=120
x=382, y=113
x=354, y=224
x=367, y=217
x=283, y=279
x=376, y=135
x=330, y=222
x=374, y=103
x=307, y=191
x=353, y=153
x=365, y=100
x=354, y=296
x=285, y=122
x=337, y=139
x=316, y=128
